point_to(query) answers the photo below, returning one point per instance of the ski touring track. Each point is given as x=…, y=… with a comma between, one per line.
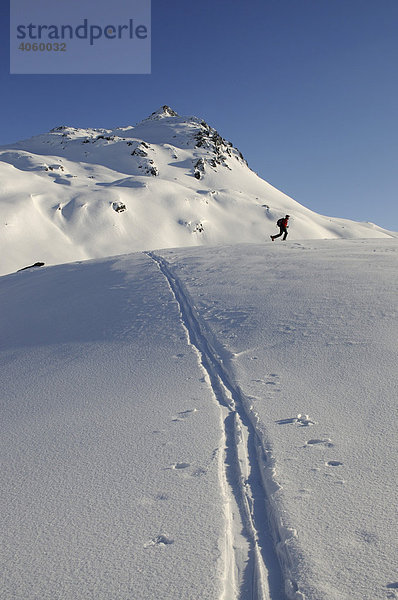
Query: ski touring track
x=257, y=565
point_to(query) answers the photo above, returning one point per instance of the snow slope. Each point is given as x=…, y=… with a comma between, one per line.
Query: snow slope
x=202, y=423
x=62, y=194
x=309, y=337
x=110, y=440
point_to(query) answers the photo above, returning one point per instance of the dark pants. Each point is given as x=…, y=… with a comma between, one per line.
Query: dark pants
x=282, y=231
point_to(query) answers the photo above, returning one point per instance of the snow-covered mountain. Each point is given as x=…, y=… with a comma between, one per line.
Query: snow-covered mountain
x=169, y=181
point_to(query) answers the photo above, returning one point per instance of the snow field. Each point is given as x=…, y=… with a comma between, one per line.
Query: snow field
x=309, y=335
x=110, y=439
x=202, y=422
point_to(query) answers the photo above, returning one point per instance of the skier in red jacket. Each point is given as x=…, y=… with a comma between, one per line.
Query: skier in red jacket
x=283, y=225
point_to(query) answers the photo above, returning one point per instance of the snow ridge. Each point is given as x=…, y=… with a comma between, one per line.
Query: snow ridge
x=253, y=566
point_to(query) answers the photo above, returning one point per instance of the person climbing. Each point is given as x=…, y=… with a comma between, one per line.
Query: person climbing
x=283, y=225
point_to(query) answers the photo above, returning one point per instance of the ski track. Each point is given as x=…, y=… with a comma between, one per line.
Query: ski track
x=256, y=563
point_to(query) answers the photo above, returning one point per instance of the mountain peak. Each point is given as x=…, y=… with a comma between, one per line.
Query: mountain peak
x=162, y=112
x=169, y=181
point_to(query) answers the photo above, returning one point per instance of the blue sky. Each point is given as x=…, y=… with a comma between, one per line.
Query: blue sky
x=306, y=89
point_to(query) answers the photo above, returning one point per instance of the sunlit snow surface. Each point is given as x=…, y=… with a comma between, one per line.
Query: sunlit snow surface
x=123, y=381
x=179, y=182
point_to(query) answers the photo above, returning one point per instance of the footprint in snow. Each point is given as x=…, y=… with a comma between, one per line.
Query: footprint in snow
x=304, y=420
x=392, y=592
x=161, y=496
x=286, y=421
x=272, y=380
x=199, y=472
x=368, y=537
x=184, y=415
x=325, y=442
x=180, y=465
x=160, y=540
x=301, y=420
